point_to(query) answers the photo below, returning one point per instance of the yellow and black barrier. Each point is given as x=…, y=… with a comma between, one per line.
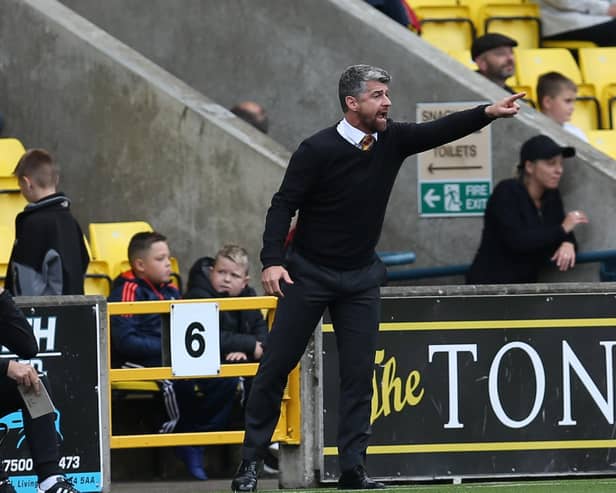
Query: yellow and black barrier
x=487, y=381
x=288, y=428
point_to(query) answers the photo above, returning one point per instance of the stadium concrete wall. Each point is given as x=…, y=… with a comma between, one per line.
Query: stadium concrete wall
x=288, y=56
x=133, y=141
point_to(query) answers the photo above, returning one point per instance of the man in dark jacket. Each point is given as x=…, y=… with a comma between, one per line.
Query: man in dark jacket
x=49, y=256
x=17, y=335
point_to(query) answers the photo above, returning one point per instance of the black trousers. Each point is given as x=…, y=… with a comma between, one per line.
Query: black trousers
x=40, y=432
x=353, y=299
x=601, y=34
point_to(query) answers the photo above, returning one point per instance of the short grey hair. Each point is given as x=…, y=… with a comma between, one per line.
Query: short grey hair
x=353, y=81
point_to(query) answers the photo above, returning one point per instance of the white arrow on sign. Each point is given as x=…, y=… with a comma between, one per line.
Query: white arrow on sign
x=430, y=198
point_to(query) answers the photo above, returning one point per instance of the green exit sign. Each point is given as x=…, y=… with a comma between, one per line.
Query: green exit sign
x=454, y=198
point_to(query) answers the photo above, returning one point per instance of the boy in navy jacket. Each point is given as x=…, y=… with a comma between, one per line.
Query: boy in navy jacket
x=136, y=339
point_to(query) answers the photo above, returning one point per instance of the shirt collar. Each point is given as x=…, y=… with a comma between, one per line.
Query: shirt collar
x=352, y=134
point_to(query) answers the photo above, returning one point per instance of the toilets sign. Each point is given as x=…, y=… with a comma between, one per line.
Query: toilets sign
x=454, y=179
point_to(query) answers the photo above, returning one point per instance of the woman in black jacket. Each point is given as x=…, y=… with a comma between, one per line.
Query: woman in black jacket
x=525, y=225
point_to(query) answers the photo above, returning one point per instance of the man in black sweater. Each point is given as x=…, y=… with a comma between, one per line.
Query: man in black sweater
x=339, y=180
x=17, y=335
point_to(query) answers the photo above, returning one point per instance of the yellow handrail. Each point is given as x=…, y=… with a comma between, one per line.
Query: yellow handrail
x=287, y=430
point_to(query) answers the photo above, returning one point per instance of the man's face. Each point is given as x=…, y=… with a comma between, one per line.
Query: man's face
x=371, y=107
x=560, y=107
x=155, y=265
x=497, y=64
x=228, y=277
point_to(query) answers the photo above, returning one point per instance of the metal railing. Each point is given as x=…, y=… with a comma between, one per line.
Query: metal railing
x=288, y=427
x=397, y=258
x=607, y=270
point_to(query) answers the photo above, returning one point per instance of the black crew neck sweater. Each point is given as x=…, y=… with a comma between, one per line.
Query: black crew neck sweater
x=341, y=192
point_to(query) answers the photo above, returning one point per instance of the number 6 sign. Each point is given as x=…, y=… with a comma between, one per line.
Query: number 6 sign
x=195, y=339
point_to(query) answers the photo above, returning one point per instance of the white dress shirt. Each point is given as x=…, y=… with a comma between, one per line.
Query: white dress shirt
x=352, y=134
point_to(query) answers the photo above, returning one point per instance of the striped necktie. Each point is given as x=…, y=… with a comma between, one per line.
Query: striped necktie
x=366, y=143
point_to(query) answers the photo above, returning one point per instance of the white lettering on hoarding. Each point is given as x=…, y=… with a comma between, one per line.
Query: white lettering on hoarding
x=45, y=332
x=605, y=405
x=570, y=362
x=452, y=351
x=539, y=385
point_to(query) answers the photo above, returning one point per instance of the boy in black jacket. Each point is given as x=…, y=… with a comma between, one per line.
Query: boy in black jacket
x=242, y=333
x=49, y=256
x=17, y=335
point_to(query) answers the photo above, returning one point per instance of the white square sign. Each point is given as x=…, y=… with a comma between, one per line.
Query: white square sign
x=195, y=339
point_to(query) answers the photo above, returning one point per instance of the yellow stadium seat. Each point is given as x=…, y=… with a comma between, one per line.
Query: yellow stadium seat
x=532, y=63
x=11, y=151
x=135, y=386
x=109, y=242
x=6, y=246
x=598, y=66
x=11, y=204
x=587, y=113
x=567, y=43
x=88, y=247
x=431, y=3
x=98, y=279
x=464, y=57
x=604, y=140
x=476, y=5
x=520, y=21
x=446, y=26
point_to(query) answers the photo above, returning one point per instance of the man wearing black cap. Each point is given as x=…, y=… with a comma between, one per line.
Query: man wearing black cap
x=493, y=54
x=525, y=225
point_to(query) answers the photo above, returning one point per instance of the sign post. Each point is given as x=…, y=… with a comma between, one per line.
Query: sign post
x=454, y=179
x=195, y=339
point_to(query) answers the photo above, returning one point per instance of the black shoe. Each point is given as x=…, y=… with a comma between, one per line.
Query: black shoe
x=245, y=478
x=63, y=485
x=6, y=486
x=357, y=479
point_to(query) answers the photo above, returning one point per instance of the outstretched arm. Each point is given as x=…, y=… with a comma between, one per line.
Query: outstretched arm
x=419, y=137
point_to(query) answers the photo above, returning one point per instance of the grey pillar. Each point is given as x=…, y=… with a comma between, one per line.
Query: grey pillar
x=298, y=463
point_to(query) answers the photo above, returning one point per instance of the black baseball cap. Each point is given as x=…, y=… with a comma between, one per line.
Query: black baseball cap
x=489, y=42
x=542, y=147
